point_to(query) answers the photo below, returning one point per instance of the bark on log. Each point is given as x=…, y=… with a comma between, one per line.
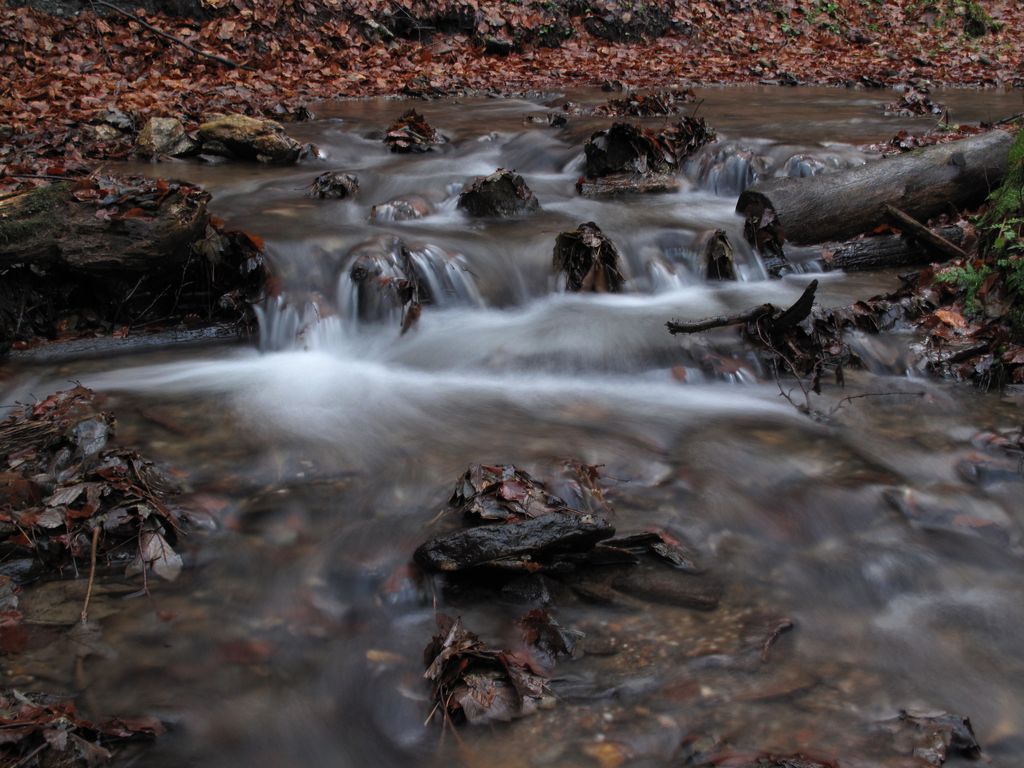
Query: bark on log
x=48, y=228
x=922, y=183
x=118, y=252
x=885, y=252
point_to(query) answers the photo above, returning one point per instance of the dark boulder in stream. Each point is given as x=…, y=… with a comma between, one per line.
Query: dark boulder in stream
x=334, y=185
x=629, y=158
x=502, y=194
x=510, y=544
x=588, y=259
x=513, y=525
x=627, y=148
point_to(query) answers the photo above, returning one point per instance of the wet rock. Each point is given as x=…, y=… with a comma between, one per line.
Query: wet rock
x=406, y=208
x=334, y=185
x=764, y=234
x=728, y=169
x=388, y=278
x=502, y=194
x=914, y=101
x=164, y=136
x=412, y=133
x=249, y=138
x=117, y=119
x=961, y=514
x=536, y=538
x=627, y=149
x=657, y=585
x=629, y=158
x=382, y=277
x=662, y=546
x=588, y=259
x=105, y=132
x=932, y=737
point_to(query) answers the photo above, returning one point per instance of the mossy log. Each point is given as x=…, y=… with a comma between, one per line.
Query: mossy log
x=94, y=255
x=47, y=228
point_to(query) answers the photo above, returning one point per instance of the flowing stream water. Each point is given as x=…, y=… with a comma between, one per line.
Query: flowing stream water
x=294, y=637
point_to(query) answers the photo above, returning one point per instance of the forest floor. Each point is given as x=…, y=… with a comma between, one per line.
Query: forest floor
x=66, y=72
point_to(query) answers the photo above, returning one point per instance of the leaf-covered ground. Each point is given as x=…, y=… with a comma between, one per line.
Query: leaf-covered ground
x=62, y=73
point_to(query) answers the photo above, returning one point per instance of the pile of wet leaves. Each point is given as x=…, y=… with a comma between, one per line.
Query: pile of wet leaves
x=412, y=133
x=38, y=730
x=915, y=100
x=972, y=331
x=631, y=158
x=654, y=104
x=68, y=497
x=588, y=259
x=476, y=684
x=516, y=538
x=904, y=141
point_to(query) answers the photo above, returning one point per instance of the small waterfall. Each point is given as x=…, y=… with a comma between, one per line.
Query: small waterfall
x=381, y=278
x=666, y=277
x=448, y=279
x=729, y=168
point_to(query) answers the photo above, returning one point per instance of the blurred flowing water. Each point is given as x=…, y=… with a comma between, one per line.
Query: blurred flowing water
x=889, y=536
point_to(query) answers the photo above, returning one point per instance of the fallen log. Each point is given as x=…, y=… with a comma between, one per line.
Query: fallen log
x=922, y=183
x=117, y=252
x=870, y=253
x=146, y=227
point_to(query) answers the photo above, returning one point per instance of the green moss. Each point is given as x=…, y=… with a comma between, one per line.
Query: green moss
x=1008, y=200
x=25, y=215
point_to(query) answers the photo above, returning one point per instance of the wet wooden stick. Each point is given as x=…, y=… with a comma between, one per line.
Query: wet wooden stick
x=678, y=326
x=92, y=572
x=783, y=625
x=932, y=239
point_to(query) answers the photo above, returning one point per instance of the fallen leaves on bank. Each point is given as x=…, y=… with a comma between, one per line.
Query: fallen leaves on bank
x=43, y=730
x=67, y=495
x=81, y=86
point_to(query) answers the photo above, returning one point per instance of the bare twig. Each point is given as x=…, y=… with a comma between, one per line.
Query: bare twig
x=783, y=625
x=172, y=38
x=92, y=572
x=936, y=241
x=835, y=408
